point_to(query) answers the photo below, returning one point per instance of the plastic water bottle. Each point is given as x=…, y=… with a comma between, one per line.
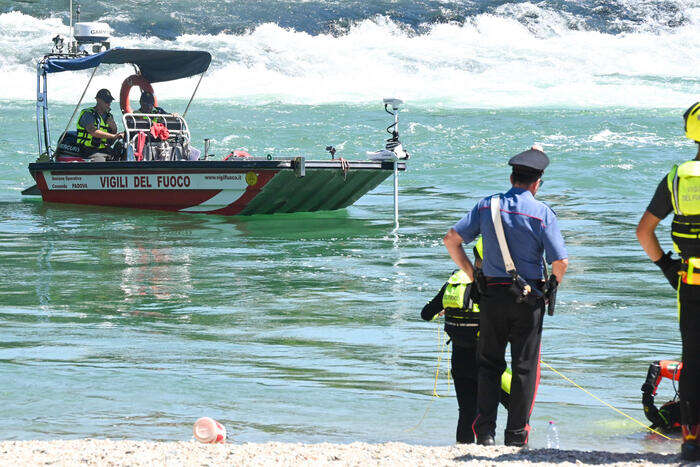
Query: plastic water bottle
x=552, y=436
x=207, y=430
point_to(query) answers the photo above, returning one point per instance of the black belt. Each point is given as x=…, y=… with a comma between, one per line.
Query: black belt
x=507, y=281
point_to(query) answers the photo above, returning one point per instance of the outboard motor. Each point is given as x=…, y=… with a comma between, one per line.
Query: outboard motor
x=68, y=145
x=394, y=149
x=393, y=144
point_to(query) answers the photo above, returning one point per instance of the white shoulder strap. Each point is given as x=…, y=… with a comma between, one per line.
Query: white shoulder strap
x=500, y=234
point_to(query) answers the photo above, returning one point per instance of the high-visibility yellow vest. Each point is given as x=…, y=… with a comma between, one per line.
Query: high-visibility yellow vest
x=684, y=184
x=461, y=313
x=85, y=139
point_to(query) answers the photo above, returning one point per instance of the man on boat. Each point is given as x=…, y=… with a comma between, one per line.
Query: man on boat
x=512, y=291
x=678, y=193
x=148, y=105
x=97, y=129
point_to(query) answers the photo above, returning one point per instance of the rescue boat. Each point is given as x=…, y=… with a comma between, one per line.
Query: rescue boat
x=157, y=166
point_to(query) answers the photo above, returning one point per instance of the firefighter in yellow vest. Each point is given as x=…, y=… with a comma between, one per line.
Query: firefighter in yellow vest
x=679, y=192
x=455, y=302
x=97, y=129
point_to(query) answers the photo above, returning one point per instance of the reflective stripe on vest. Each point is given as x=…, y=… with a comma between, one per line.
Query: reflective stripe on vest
x=85, y=139
x=683, y=183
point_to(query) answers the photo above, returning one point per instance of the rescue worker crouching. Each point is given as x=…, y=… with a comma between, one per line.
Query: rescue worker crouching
x=530, y=229
x=678, y=193
x=457, y=302
x=97, y=129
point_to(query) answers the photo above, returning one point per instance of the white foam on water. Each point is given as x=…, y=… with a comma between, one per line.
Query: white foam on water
x=491, y=61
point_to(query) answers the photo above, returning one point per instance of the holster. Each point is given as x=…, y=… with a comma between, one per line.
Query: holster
x=550, y=293
x=480, y=280
x=524, y=292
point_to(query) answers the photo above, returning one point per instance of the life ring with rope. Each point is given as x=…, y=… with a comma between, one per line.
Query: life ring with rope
x=130, y=82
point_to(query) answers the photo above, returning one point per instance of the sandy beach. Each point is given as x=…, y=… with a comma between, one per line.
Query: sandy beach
x=111, y=452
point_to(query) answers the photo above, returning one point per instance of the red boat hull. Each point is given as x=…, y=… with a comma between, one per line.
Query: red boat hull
x=225, y=188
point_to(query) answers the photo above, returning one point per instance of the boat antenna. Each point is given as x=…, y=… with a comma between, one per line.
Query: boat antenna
x=70, y=31
x=193, y=94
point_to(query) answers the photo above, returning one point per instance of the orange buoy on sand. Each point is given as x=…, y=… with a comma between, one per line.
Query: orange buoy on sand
x=209, y=431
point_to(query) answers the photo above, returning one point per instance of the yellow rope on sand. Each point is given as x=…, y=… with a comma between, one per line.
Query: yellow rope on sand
x=603, y=402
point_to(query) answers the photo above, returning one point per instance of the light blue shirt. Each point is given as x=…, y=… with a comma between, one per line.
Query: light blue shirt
x=531, y=229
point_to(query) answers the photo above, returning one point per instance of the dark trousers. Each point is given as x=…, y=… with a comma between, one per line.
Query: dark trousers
x=464, y=374
x=504, y=321
x=689, y=383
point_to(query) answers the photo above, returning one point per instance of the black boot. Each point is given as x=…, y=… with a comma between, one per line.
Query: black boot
x=485, y=440
x=517, y=438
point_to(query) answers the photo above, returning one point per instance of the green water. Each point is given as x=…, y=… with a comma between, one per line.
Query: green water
x=132, y=324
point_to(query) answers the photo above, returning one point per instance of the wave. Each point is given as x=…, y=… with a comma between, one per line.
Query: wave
x=493, y=60
x=173, y=18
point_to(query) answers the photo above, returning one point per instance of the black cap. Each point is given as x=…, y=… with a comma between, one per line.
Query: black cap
x=147, y=97
x=104, y=95
x=532, y=161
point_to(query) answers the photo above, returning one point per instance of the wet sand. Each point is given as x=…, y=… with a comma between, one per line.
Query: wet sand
x=112, y=452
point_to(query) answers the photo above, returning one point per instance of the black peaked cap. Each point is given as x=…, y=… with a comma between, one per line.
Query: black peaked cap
x=532, y=160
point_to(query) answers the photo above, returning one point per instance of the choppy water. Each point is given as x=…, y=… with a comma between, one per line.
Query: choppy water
x=306, y=327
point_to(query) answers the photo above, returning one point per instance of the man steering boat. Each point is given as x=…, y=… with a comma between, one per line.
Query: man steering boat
x=97, y=129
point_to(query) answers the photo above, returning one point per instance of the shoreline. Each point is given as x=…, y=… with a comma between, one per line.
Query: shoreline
x=127, y=452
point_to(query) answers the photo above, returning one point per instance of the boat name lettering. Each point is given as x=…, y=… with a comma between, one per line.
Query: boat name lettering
x=142, y=181
x=114, y=182
x=147, y=181
x=170, y=181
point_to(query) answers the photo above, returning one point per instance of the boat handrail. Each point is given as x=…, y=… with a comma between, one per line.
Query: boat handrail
x=131, y=131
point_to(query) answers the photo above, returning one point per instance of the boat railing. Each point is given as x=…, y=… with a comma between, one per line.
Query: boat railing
x=134, y=123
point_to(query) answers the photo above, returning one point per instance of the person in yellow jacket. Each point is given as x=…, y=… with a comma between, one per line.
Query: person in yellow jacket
x=97, y=129
x=456, y=302
x=679, y=192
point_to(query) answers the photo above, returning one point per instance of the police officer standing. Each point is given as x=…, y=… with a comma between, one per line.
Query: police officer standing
x=678, y=192
x=512, y=303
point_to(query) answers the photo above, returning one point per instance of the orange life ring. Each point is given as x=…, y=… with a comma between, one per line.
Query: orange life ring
x=130, y=82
